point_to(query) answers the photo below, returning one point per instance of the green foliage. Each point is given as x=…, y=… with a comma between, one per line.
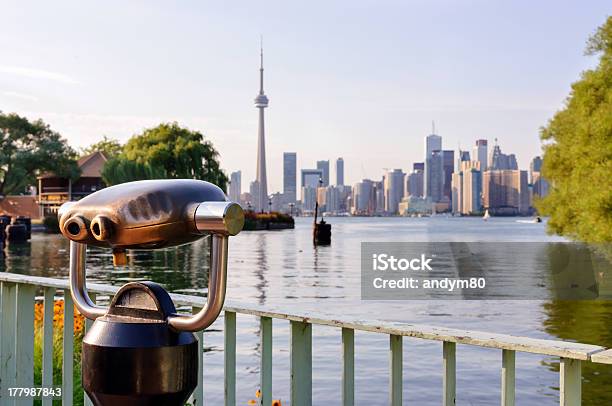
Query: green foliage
x=120, y=170
x=180, y=152
x=578, y=152
x=109, y=146
x=28, y=148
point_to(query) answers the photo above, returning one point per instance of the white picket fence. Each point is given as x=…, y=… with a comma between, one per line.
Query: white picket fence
x=18, y=296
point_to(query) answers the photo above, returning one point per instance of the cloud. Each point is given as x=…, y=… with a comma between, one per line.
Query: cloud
x=22, y=96
x=38, y=74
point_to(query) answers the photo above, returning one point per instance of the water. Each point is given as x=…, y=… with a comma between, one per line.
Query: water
x=282, y=269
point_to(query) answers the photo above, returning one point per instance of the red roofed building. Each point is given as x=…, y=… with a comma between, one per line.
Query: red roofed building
x=25, y=205
x=53, y=191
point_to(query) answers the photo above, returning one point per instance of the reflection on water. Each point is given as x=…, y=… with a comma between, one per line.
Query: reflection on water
x=282, y=269
x=181, y=269
x=588, y=322
x=260, y=268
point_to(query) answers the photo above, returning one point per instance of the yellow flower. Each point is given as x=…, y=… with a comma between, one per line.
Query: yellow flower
x=58, y=316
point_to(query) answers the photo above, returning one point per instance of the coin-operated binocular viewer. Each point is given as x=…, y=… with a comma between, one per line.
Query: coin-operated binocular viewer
x=139, y=351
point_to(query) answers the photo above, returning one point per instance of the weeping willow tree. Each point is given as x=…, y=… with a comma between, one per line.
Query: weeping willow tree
x=578, y=152
x=120, y=170
x=167, y=151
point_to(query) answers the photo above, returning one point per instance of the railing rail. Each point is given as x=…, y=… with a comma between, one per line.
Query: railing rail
x=16, y=350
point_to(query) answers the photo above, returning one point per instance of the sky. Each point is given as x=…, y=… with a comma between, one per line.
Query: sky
x=358, y=79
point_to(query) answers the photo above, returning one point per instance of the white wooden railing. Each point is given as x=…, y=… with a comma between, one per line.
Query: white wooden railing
x=18, y=295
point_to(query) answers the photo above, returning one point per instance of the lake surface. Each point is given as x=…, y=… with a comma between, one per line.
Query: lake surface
x=283, y=270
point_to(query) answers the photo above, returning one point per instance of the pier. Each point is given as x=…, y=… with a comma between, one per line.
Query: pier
x=19, y=293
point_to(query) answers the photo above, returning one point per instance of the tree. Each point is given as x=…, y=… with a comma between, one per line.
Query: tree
x=120, y=170
x=578, y=152
x=109, y=146
x=28, y=148
x=178, y=151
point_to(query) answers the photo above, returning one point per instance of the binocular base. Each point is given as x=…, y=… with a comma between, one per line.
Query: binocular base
x=132, y=357
x=140, y=376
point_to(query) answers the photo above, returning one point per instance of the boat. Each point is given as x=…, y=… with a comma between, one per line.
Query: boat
x=321, y=231
x=535, y=220
x=486, y=215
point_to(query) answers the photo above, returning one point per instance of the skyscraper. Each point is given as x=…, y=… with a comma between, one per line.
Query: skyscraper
x=378, y=196
x=479, y=153
x=254, y=192
x=309, y=197
x=434, y=176
x=538, y=183
x=534, y=167
x=235, y=186
x=506, y=192
x=433, y=143
x=310, y=177
x=261, y=102
x=393, y=189
x=467, y=188
x=363, y=197
x=463, y=156
x=448, y=166
x=290, y=176
x=472, y=190
x=323, y=166
x=414, y=183
x=501, y=161
x=332, y=199
x=339, y=172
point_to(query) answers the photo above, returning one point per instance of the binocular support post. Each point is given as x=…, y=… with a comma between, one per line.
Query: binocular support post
x=78, y=287
x=217, y=282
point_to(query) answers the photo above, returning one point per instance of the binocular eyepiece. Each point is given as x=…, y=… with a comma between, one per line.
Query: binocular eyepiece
x=140, y=351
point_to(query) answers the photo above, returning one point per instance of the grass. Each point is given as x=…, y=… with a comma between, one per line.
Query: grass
x=58, y=328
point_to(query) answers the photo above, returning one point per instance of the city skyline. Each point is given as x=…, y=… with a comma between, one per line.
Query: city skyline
x=338, y=91
x=479, y=151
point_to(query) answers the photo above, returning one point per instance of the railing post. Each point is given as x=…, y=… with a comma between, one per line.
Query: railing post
x=266, y=361
x=395, y=370
x=348, y=366
x=68, y=350
x=7, y=345
x=47, y=350
x=88, y=324
x=449, y=361
x=230, y=358
x=570, y=376
x=301, y=363
x=198, y=393
x=508, y=378
x=24, y=335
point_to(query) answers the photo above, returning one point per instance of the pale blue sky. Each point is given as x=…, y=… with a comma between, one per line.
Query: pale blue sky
x=358, y=79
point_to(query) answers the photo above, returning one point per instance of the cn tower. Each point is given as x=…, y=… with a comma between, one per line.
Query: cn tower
x=261, y=102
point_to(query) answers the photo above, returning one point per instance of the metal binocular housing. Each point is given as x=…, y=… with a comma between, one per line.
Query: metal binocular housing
x=140, y=351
